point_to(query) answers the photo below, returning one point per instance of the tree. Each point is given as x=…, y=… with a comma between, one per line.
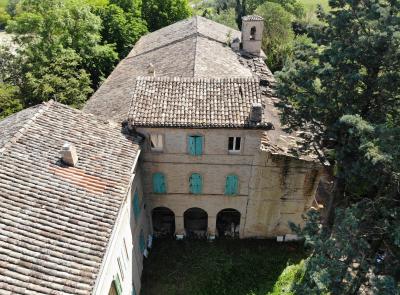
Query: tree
x=120, y=28
x=226, y=17
x=343, y=89
x=161, y=13
x=277, y=35
x=131, y=6
x=4, y=18
x=9, y=101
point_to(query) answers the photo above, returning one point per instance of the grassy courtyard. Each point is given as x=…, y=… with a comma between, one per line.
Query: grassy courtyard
x=234, y=267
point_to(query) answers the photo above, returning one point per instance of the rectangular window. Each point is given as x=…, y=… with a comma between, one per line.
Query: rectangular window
x=196, y=184
x=234, y=144
x=156, y=142
x=126, y=251
x=195, y=145
x=136, y=205
x=120, y=268
x=231, y=186
x=159, y=186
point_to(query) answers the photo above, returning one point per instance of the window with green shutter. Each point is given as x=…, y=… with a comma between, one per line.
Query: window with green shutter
x=136, y=205
x=159, y=186
x=195, y=145
x=196, y=184
x=117, y=284
x=231, y=186
x=142, y=242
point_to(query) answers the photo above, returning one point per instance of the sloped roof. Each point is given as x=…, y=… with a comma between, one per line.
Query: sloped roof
x=195, y=102
x=55, y=220
x=195, y=47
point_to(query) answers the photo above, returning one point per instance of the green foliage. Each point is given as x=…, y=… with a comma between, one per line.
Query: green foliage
x=60, y=80
x=9, y=101
x=344, y=88
x=291, y=277
x=278, y=34
x=161, y=13
x=4, y=18
x=120, y=28
x=226, y=17
x=234, y=267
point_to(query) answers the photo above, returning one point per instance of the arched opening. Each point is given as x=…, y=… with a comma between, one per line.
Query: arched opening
x=163, y=222
x=196, y=223
x=253, y=31
x=228, y=223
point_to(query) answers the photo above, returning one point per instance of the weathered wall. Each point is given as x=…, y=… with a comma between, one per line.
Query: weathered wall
x=126, y=230
x=281, y=189
x=271, y=188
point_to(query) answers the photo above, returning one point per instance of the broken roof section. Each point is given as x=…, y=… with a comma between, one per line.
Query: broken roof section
x=56, y=219
x=195, y=103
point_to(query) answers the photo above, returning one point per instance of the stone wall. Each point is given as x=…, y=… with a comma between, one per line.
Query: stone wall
x=272, y=189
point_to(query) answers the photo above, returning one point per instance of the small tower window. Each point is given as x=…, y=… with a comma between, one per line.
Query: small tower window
x=253, y=33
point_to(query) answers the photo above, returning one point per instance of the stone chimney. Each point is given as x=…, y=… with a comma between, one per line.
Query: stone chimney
x=256, y=113
x=252, y=30
x=235, y=45
x=69, y=155
x=151, y=70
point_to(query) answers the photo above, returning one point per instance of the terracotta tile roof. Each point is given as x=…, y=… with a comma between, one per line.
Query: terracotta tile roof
x=55, y=220
x=195, y=47
x=195, y=102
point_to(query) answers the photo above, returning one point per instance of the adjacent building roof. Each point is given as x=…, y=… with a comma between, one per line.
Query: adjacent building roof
x=195, y=102
x=56, y=220
x=252, y=18
x=196, y=47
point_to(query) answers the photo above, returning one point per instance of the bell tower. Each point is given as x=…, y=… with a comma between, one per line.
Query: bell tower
x=252, y=30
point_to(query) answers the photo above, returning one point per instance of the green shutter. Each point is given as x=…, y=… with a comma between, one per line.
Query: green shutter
x=136, y=205
x=196, y=184
x=199, y=145
x=159, y=183
x=231, y=186
x=117, y=283
x=142, y=242
x=192, y=145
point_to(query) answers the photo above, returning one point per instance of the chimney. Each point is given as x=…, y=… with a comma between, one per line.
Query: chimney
x=151, y=70
x=256, y=113
x=252, y=31
x=69, y=155
x=235, y=44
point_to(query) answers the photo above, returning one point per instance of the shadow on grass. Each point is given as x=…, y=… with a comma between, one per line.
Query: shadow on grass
x=234, y=267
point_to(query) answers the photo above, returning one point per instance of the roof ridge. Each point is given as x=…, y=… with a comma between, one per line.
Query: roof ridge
x=195, y=46
x=197, y=79
x=44, y=106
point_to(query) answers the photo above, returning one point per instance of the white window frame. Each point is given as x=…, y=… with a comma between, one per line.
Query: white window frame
x=234, y=150
x=159, y=147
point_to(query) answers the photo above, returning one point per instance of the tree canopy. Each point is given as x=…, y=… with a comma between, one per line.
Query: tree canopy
x=161, y=13
x=343, y=88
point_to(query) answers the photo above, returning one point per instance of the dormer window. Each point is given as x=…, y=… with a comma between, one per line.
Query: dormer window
x=234, y=144
x=253, y=33
x=156, y=142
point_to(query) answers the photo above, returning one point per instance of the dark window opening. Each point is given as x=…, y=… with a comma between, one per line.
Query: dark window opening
x=234, y=144
x=196, y=223
x=163, y=222
x=252, y=33
x=228, y=223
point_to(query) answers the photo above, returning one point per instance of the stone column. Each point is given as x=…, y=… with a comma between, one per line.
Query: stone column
x=212, y=226
x=179, y=225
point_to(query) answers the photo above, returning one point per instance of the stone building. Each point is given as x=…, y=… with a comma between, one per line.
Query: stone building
x=183, y=138
x=68, y=182
x=215, y=158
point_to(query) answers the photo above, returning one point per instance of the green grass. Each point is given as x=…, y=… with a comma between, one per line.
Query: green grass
x=222, y=267
x=3, y=3
x=312, y=4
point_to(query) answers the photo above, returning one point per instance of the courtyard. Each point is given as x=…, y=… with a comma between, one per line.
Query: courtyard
x=234, y=267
